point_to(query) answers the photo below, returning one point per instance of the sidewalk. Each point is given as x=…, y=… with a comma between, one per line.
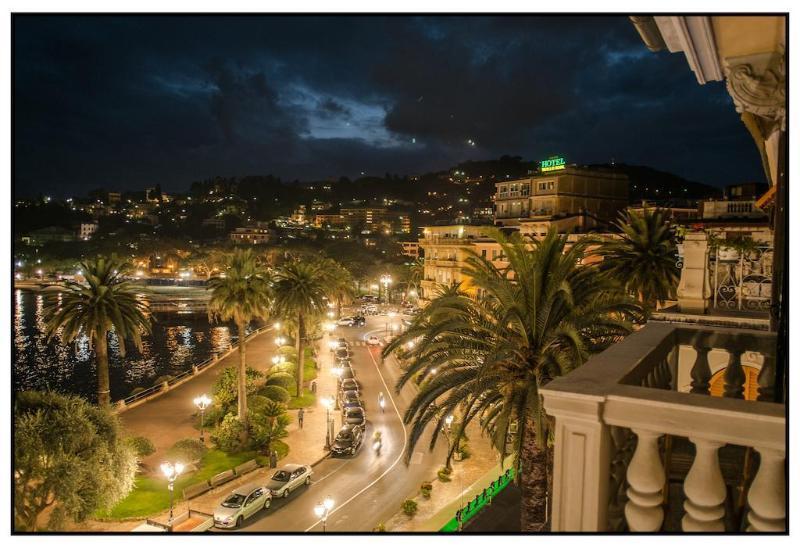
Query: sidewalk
x=465, y=473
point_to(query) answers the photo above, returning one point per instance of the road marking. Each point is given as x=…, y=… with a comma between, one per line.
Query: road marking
x=397, y=460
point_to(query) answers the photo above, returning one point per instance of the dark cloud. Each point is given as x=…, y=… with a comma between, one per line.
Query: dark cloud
x=132, y=101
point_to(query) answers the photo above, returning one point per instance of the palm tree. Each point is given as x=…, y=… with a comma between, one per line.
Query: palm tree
x=339, y=282
x=241, y=295
x=300, y=290
x=104, y=303
x=644, y=259
x=416, y=271
x=532, y=321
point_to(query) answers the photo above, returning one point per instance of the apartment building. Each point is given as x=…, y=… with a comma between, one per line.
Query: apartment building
x=371, y=218
x=250, y=235
x=597, y=194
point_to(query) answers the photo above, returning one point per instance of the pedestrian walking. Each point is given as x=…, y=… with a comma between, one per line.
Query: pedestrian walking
x=300, y=417
x=273, y=459
x=458, y=518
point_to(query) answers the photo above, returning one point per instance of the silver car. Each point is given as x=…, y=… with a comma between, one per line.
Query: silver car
x=288, y=478
x=242, y=503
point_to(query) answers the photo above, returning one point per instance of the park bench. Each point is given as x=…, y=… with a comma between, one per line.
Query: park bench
x=245, y=467
x=222, y=477
x=196, y=490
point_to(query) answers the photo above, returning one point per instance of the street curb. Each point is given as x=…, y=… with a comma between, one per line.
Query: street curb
x=325, y=456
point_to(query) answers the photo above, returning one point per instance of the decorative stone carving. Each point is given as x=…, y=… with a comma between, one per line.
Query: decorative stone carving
x=694, y=289
x=757, y=84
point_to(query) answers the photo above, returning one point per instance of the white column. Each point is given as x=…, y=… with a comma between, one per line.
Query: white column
x=646, y=478
x=767, y=497
x=693, y=289
x=581, y=464
x=705, y=490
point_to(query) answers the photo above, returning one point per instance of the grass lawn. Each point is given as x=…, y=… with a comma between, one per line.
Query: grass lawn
x=308, y=399
x=150, y=495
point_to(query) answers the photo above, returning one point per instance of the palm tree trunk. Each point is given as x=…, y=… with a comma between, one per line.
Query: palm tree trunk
x=101, y=355
x=533, y=481
x=301, y=333
x=338, y=307
x=242, y=376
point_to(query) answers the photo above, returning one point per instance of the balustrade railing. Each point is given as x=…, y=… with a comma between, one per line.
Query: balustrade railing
x=741, y=280
x=639, y=435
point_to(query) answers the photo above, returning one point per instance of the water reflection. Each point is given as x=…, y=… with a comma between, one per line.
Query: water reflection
x=176, y=343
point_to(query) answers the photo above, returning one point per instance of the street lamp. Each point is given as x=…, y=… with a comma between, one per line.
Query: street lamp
x=331, y=314
x=328, y=403
x=323, y=509
x=279, y=341
x=276, y=325
x=448, y=421
x=333, y=345
x=329, y=327
x=171, y=472
x=386, y=280
x=337, y=372
x=202, y=402
x=277, y=360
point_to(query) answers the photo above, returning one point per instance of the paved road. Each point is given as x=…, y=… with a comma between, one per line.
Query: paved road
x=367, y=488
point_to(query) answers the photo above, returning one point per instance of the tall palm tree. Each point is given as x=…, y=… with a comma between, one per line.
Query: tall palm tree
x=300, y=290
x=416, y=271
x=339, y=282
x=241, y=296
x=644, y=259
x=104, y=303
x=532, y=321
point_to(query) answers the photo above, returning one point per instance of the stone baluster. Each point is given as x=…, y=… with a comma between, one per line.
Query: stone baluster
x=766, y=380
x=646, y=477
x=705, y=490
x=767, y=497
x=734, y=375
x=701, y=371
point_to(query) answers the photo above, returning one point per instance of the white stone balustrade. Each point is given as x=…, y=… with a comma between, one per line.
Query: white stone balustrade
x=629, y=386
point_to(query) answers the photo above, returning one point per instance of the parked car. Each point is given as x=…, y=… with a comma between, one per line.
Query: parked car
x=342, y=353
x=348, y=440
x=350, y=398
x=342, y=342
x=359, y=321
x=349, y=384
x=355, y=416
x=241, y=504
x=372, y=340
x=347, y=373
x=346, y=321
x=288, y=478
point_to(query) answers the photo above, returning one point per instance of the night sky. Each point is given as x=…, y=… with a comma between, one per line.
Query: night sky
x=128, y=102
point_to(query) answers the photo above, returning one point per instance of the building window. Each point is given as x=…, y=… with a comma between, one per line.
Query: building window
x=547, y=185
x=483, y=253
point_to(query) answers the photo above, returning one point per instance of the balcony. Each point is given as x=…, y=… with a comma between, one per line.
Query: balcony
x=657, y=434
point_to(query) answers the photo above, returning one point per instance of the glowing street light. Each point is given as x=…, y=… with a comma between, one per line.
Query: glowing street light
x=277, y=360
x=327, y=402
x=276, y=325
x=333, y=345
x=202, y=403
x=171, y=472
x=449, y=422
x=329, y=327
x=323, y=509
x=331, y=314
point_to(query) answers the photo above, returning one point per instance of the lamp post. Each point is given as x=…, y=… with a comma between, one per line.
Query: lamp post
x=202, y=402
x=328, y=404
x=333, y=345
x=171, y=472
x=386, y=280
x=337, y=372
x=323, y=509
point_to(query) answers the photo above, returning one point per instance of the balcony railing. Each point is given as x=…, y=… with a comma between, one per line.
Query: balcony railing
x=741, y=281
x=641, y=444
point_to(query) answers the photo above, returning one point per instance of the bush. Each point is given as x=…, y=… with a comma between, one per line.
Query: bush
x=289, y=352
x=425, y=489
x=276, y=393
x=409, y=507
x=286, y=367
x=228, y=434
x=444, y=474
x=284, y=380
x=225, y=388
x=187, y=450
x=465, y=452
x=211, y=418
x=142, y=446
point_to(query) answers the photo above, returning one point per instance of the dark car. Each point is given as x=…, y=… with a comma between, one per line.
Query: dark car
x=342, y=354
x=355, y=416
x=347, y=373
x=348, y=440
x=351, y=398
x=349, y=384
x=342, y=342
x=359, y=321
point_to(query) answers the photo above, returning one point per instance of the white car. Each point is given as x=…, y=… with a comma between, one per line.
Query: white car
x=372, y=340
x=346, y=322
x=241, y=504
x=288, y=478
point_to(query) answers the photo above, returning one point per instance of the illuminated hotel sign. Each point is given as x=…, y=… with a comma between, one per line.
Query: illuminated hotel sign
x=554, y=163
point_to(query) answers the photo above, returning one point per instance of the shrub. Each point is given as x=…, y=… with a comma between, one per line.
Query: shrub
x=425, y=489
x=409, y=507
x=225, y=388
x=289, y=352
x=465, y=452
x=286, y=367
x=280, y=379
x=380, y=528
x=228, y=434
x=211, y=418
x=187, y=450
x=276, y=393
x=141, y=446
x=444, y=474
x=257, y=403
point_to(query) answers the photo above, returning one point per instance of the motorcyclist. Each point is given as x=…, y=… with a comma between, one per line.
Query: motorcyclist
x=376, y=442
x=381, y=402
